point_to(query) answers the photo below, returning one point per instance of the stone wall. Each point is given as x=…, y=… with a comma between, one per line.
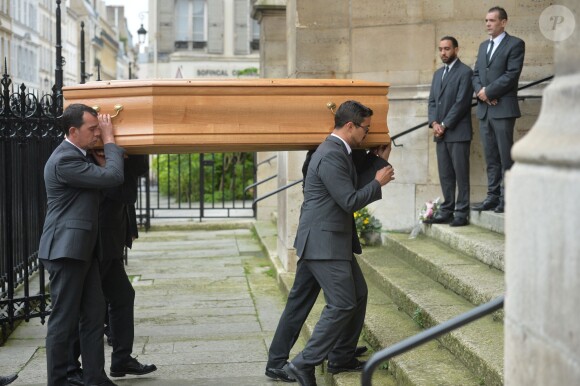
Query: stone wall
x=396, y=42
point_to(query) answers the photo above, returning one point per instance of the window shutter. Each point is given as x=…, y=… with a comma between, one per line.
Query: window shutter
x=241, y=27
x=215, y=38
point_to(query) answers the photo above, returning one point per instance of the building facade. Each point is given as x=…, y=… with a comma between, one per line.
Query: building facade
x=200, y=39
x=28, y=41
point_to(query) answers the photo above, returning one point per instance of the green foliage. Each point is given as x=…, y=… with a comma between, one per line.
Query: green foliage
x=419, y=318
x=179, y=176
x=250, y=71
x=365, y=222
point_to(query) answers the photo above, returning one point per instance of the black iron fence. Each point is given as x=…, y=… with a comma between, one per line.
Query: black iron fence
x=28, y=135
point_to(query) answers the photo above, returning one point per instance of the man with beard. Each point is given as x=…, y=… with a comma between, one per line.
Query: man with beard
x=450, y=117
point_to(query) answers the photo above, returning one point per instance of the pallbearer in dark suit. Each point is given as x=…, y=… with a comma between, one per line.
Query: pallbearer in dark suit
x=495, y=80
x=450, y=117
x=118, y=228
x=325, y=242
x=69, y=243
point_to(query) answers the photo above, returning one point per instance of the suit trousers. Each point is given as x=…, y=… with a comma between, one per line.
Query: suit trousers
x=78, y=308
x=120, y=300
x=337, y=332
x=497, y=137
x=120, y=297
x=301, y=299
x=453, y=165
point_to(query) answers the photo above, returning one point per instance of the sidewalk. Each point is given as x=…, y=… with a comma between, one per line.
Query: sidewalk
x=206, y=307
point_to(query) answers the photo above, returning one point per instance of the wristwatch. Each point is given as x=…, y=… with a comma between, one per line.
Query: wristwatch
x=443, y=125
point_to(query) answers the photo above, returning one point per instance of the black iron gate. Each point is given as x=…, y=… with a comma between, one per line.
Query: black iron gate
x=198, y=186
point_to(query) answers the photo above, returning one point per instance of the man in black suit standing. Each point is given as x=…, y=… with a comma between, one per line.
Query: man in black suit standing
x=450, y=117
x=325, y=242
x=495, y=80
x=118, y=229
x=69, y=243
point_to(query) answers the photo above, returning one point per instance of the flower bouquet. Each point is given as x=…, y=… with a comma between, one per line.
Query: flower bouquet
x=427, y=212
x=368, y=227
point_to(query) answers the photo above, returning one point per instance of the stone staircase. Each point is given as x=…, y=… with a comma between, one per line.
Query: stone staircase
x=418, y=283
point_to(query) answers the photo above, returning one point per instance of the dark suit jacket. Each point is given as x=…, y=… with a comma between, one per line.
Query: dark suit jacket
x=72, y=189
x=117, y=211
x=450, y=102
x=500, y=77
x=326, y=226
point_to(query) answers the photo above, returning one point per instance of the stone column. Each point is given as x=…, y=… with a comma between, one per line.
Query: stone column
x=542, y=332
x=271, y=15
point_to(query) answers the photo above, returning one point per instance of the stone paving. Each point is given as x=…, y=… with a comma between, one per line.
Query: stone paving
x=206, y=306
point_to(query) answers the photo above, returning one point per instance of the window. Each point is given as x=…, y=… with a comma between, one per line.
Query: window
x=198, y=20
x=190, y=24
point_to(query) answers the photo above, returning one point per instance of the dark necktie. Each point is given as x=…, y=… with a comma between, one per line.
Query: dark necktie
x=445, y=71
x=489, y=51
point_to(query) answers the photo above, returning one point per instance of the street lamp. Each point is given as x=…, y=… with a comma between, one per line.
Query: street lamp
x=141, y=32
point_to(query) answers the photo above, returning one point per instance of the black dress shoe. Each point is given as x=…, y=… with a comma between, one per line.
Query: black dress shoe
x=75, y=378
x=500, y=208
x=305, y=377
x=487, y=204
x=439, y=219
x=353, y=365
x=360, y=350
x=459, y=222
x=279, y=374
x=133, y=367
x=7, y=380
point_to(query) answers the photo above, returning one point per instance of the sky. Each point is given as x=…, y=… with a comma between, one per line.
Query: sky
x=132, y=9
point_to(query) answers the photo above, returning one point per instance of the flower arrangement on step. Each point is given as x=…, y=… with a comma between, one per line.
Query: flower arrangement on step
x=368, y=227
x=427, y=212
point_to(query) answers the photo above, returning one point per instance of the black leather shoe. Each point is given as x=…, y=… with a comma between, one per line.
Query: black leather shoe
x=8, y=380
x=500, y=208
x=439, y=219
x=459, y=222
x=360, y=350
x=279, y=374
x=75, y=378
x=133, y=367
x=487, y=204
x=353, y=365
x=305, y=377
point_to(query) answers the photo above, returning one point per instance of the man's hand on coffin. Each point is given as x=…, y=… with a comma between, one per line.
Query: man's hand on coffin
x=385, y=175
x=383, y=151
x=106, y=125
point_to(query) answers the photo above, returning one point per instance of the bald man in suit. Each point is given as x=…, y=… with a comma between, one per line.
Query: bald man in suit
x=495, y=80
x=450, y=117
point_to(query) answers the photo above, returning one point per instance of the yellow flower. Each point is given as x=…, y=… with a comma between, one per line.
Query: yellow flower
x=366, y=221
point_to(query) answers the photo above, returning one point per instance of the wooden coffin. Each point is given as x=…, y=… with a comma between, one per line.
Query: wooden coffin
x=186, y=116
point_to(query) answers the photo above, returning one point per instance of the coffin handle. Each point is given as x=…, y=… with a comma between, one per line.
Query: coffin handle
x=331, y=106
x=117, y=108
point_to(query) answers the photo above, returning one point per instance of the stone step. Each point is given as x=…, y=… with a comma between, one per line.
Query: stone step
x=464, y=275
x=478, y=345
x=482, y=244
x=488, y=220
x=385, y=325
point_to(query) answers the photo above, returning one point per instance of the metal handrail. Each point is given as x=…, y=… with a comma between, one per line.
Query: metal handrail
x=426, y=336
x=276, y=191
x=472, y=105
x=259, y=182
x=267, y=160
